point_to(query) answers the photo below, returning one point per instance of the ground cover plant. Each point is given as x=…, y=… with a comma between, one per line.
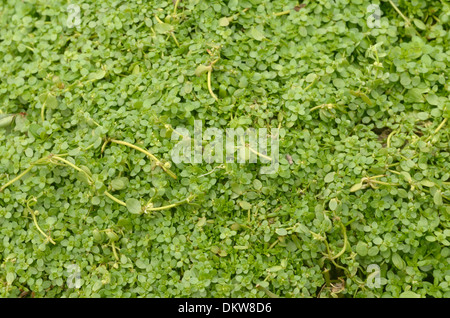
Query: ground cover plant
x=92, y=204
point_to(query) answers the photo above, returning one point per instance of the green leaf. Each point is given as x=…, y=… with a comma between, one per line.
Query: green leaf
x=361, y=248
x=414, y=95
x=366, y=99
x=202, y=69
x=162, y=28
x=51, y=101
x=356, y=187
x=95, y=200
x=86, y=169
x=223, y=22
x=265, y=290
x=432, y=99
x=83, y=177
x=419, y=24
x=98, y=237
x=201, y=222
x=141, y=264
x=398, y=261
x=427, y=183
x=256, y=34
x=125, y=76
x=329, y=177
x=51, y=220
x=333, y=204
x=29, y=152
x=422, y=115
x=36, y=130
x=10, y=278
x=339, y=83
x=6, y=120
x=232, y=4
x=378, y=240
x=245, y=205
x=311, y=77
x=119, y=183
x=21, y=124
x=281, y=232
x=373, y=251
x=134, y=206
x=257, y=184
x=235, y=226
x=97, y=285
x=112, y=236
x=274, y=269
x=222, y=253
x=124, y=222
x=407, y=176
x=97, y=75
x=74, y=152
x=437, y=198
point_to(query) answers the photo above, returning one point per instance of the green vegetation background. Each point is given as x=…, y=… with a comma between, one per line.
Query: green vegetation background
x=364, y=148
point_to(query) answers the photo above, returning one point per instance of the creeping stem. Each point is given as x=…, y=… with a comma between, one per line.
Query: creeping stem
x=441, y=125
x=344, y=232
x=114, y=250
x=277, y=14
x=400, y=13
x=170, y=205
x=109, y=195
x=438, y=128
x=23, y=173
x=209, y=80
x=268, y=292
x=171, y=32
x=70, y=164
x=16, y=178
x=151, y=156
x=388, y=142
x=177, y=2
x=33, y=215
x=209, y=85
x=259, y=154
x=135, y=147
x=43, y=110
x=323, y=106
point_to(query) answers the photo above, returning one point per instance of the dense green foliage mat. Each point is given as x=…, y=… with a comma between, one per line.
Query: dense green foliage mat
x=92, y=204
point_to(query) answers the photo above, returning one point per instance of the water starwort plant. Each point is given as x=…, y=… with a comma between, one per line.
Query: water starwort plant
x=356, y=93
